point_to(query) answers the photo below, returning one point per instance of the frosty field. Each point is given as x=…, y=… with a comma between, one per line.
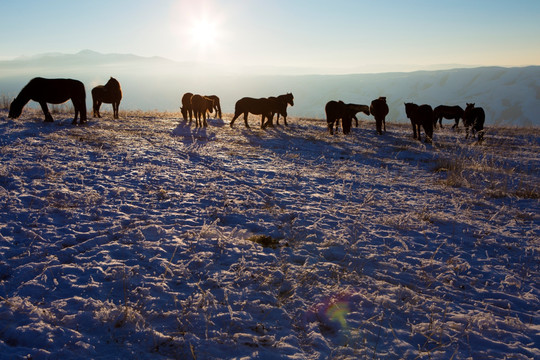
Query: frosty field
x=143, y=238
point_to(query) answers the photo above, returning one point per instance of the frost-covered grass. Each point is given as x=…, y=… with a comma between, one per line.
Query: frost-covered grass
x=145, y=238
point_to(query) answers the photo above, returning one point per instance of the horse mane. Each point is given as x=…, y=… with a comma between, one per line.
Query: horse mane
x=112, y=83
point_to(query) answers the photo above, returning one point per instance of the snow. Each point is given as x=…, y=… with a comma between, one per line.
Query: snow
x=141, y=238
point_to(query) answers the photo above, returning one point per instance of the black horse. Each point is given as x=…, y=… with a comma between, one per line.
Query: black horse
x=284, y=100
x=110, y=93
x=186, y=108
x=447, y=112
x=420, y=115
x=336, y=110
x=379, y=110
x=356, y=108
x=475, y=117
x=217, y=105
x=53, y=91
x=201, y=105
x=262, y=106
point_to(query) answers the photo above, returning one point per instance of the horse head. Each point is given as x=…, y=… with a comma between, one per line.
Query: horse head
x=112, y=83
x=15, y=108
x=410, y=109
x=290, y=99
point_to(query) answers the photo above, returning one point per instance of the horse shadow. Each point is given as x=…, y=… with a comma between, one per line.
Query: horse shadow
x=190, y=135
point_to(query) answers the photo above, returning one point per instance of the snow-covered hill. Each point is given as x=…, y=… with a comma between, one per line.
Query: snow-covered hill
x=510, y=96
x=145, y=238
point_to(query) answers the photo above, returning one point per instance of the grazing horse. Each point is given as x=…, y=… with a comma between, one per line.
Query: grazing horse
x=336, y=110
x=200, y=106
x=286, y=99
x=53, y=91
x=475, y=117
x=217, y=105
x=110, y=93
x=379, y=110
x=246, y=105
x=447, y=112
x=358, y=108
x=186, y=108
x=420, y=115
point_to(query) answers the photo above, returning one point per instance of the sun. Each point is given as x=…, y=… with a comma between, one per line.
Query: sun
x=204, y=34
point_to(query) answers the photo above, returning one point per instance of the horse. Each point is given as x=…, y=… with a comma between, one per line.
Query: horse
x=358, y=108
x=379, y=110
x=217, y=105
x=246, y=105
x=447, y=112
x=200, y=106
x=336, y=110
x=186, y=108
x=53, y=91
x=110, y=93
x=276, y=106
x=420, y=115
x=286, y=99
x=475, y=117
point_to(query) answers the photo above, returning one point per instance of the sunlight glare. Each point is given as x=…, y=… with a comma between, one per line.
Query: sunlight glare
x=204, y=34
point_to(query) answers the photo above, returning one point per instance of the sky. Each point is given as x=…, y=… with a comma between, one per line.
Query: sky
x=334, y=36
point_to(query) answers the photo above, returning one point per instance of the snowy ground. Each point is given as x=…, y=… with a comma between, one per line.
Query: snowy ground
x=141, y=238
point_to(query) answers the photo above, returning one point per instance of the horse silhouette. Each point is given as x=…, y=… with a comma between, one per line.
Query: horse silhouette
x=447, y=112
x=379, y=110
x=356, y=108
x=262, y=106
x=336, y=110
x=52, y=91
x=217, y=105
x=475, y=117
x=110, y=93
x=285, y=99
x=201, y=105
x=186, y=108
x=420, y=115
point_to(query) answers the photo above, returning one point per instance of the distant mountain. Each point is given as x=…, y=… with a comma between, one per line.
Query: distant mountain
x=510, y=96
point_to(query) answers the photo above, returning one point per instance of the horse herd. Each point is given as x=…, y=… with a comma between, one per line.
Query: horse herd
x=57, y=91
x=421, y=116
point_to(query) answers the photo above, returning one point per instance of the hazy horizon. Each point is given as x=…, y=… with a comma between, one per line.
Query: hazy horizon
x=334, y=38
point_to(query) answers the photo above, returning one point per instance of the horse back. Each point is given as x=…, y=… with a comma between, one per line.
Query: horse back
x=55, y=91
x=252, y=105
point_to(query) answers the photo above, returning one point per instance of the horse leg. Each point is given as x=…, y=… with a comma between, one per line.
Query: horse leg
x=204, y=118
x=245, y=118
x=269, y=122
x=74, y=122
x=285, y=120
x=115, y=109
x=45, y=109
x=414, y=130
x=234, y=119
x=331, y=127
x=456, y=123
x=96, y=108
x=384, y=124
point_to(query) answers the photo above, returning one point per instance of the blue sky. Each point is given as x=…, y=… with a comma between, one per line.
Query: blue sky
x=331, y=36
